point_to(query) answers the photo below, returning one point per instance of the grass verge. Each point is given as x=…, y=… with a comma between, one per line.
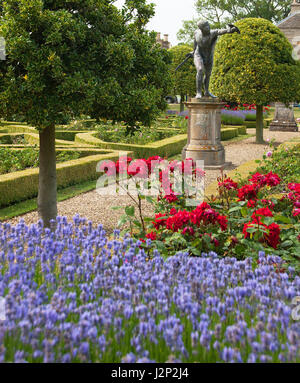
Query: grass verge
x=29, y=205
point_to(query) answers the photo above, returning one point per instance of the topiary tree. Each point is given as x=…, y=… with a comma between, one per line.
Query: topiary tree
x=184, y=80
x=77, y=57
x=256, y=67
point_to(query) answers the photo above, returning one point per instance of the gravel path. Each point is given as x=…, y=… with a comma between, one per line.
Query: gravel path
x=97, y=208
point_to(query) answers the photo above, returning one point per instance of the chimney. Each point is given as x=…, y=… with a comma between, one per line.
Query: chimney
x=295, y=7
x=166, y=38
x=157, y=36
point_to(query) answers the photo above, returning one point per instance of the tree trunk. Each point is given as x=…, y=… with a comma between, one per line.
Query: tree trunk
x=47, y=205
x=181, y=103
x=259, y=124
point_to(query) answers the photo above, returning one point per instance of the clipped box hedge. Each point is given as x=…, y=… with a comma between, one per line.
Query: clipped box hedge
x=22, y=185
x=242, y=130
x=164, y=148
x=252, y=124
x=67, y=135
x=229, y=133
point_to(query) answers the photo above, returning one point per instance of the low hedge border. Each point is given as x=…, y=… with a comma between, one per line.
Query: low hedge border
x=242, y=130
x=33, y=138
x=164, y=148
x=252, y=124
x=67, y=135
x=22, y=185
x=229, y=133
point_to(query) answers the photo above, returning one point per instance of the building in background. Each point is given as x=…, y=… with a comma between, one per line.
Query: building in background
x=164, y=43
x=290, y=26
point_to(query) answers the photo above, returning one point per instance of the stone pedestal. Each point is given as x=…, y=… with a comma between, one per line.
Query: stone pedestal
x=204, y=133
x=284, y=120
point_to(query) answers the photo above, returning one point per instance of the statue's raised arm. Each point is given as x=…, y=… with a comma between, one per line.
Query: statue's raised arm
x=204, y=46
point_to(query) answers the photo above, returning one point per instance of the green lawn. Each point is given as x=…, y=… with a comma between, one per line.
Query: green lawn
x=23, y=207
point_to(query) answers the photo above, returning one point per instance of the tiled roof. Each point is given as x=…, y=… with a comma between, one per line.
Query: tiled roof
x=291, y=22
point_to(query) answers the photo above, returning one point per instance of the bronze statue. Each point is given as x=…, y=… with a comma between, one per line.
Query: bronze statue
x=203, y=54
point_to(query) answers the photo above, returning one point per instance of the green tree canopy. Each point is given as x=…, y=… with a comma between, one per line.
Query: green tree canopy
x=221, y=12
x=184, y=80
x=255, y=67
x=73, y=57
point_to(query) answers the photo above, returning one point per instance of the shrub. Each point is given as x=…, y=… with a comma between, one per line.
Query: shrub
x=283, y=160
x=240, y=220
x=142, y=135
x=13, y=160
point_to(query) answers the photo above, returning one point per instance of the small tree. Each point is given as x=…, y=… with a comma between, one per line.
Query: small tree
x=73, y=57
x=184, y=80
x=256, y=67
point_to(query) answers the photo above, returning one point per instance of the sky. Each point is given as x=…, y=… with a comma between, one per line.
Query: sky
x=169, y=15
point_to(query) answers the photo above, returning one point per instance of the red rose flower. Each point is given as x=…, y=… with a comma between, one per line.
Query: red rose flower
x=248, y=192
x=273, y=237
x=151, y=236
x=228, y=184
x=251, y=203
x=188, y=230
x=263, y=212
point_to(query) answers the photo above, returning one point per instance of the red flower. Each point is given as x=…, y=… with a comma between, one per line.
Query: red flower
x=228, y=184
x=171, y=197
x=296, y=212
x=151, y=235
x=173, y=211
x=138, y=168
x=263, y=212
x=188, y=230
x=262, y=180
x=122, y=164
x=178, y=221
x=152, y=161
x=222, y=220
x=273, y=237
x=159, y=220
x=108, y=167
x=186, y=117
x=216, y=242
x=251, y=203
x=248, y=192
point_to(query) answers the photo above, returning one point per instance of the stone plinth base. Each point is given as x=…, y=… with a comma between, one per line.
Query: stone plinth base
x=283, y=126
x=219, y=167
x=284, y=119
x=204, y=132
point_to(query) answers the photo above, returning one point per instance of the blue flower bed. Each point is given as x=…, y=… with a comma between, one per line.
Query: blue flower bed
x=73, y=295
x=231, y=117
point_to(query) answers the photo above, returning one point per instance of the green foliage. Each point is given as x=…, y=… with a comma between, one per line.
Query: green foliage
x=14, y=160
x=255, y=67
x=184, y=80
x=284, y=161
x=69, y=58
x=141, y=135
x=231, y=119
x=22, y=185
